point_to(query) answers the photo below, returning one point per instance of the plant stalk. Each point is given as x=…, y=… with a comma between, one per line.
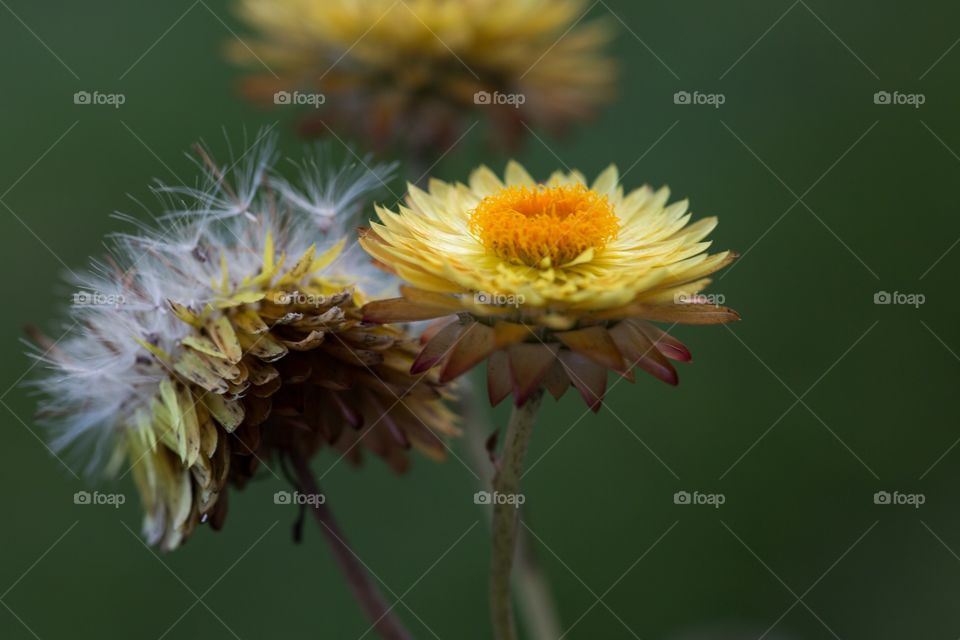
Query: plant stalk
x=537, y=607
x=381, y=616
x=506, y=484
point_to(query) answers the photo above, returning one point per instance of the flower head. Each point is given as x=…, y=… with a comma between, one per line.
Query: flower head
x=553, y=283
x=202, y=347
x=412, y=71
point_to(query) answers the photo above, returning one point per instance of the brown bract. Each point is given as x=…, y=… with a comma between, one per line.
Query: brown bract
x=522, y=357
x=256, y=383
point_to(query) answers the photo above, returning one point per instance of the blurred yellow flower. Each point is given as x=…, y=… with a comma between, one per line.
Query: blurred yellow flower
x=411, y=71
x=553, y=282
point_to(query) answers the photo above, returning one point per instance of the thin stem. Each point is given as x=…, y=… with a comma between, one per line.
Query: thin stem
x=371, y=601
x=506, y=487
x=538, y=609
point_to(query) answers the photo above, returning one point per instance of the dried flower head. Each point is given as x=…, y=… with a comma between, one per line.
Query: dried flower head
x=420, y=71
x=552, y=283
x=232, y=332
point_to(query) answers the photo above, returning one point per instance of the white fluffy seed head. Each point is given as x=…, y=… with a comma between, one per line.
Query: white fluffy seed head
x=99, y=374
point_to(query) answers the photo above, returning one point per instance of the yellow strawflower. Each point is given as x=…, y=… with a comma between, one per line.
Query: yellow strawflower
x=419, y=72
x=553, y=283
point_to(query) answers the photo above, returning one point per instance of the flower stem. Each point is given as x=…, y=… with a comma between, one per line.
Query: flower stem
x=371, y=601
x=506, y=483
x=538, y=609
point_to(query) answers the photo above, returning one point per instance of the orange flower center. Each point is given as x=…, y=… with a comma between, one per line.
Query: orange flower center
x=526, y=225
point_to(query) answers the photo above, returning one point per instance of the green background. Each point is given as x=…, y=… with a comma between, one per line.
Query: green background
x=877, y=384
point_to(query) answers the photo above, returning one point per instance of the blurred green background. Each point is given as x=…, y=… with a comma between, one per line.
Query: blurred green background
x=797, y=415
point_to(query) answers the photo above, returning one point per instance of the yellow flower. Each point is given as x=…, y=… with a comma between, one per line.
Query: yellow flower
x=553, y=282
x=411, y=70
